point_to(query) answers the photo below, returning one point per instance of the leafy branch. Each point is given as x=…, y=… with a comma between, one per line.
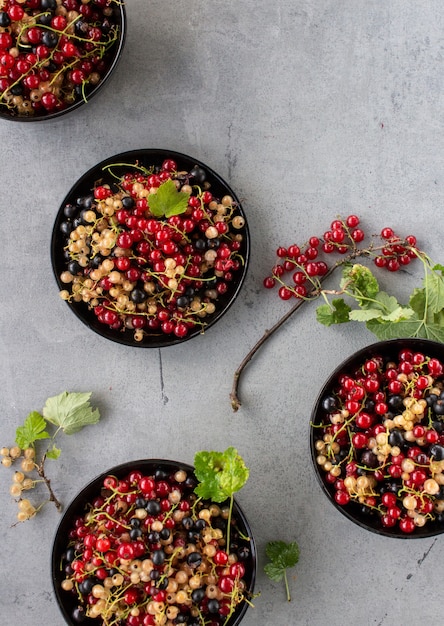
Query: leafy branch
x=66, y=413
x=359, y=297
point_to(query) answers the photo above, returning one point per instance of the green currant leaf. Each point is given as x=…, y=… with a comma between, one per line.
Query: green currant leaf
x=168, y=201
x=274, y=572
x=336, y=313
x=434, y=284
x=418, y=301
x=33, y=429
x=70, y=411
x=364, y=315
x=220, y=474
x=360, y=281
x=283, y=554
x=438, y=268
x=53, y=453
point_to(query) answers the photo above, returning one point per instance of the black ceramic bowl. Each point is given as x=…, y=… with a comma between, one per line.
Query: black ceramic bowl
x=149, y=158
x=161, y=469
x=329, y=403
x=114, y=30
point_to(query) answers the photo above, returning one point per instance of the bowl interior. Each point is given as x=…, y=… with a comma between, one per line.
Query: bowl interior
x=68, y=602
x=353, y=510
x=111, y=58
x=146, y=158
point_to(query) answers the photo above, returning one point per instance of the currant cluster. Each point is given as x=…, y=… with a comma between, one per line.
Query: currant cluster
x=21, y=481
x=308, y=263
x=147, y=274
x=53, y=52
x=380, y=439
x=148, y=552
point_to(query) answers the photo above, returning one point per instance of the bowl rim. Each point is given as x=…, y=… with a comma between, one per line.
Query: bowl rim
x=348, y=511
x=117, y=54
x=77, y=504
x=226, y=300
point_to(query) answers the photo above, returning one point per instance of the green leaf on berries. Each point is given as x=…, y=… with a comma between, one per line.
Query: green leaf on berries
x=70, y=411
x=220, y=474
x=336, y=313
x=438, y=268
x=33, y=429
x=53, y=453
x=282, y=556
x=168, y=201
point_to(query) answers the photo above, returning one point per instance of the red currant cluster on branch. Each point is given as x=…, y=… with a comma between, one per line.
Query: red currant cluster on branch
x=52, y=52
x=308, y=264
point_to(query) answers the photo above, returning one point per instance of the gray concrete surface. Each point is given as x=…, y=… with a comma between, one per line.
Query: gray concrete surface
x=310, y=109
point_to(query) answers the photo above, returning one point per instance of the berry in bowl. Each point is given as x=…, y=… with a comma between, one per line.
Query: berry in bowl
x=377, y=438
x=138, y=547
x=150, y=248
x=55, y=55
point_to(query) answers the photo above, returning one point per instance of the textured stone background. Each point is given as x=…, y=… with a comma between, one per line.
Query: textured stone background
x=309, y=109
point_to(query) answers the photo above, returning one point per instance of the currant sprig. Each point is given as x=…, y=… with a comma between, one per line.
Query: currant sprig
x=67, y=413
x=301, y=272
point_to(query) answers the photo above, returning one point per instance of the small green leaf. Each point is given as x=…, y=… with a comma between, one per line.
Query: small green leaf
x=282, y=556
x=168, y=201
x=364, y=315
x=337, y=313
x=33, y=429
x=281, y=553
x=438, y=268
x=360, y=281
x=274, y=572
x=70, y=411
x=53, y=453
x=220, y=474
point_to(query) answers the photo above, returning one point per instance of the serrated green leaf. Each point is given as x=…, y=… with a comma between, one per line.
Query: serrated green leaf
x=220, y=474
x=168, y=201
x=364, y=315
x=274, y=572
x=337, y=313
x=438, y=268
x=434, y=284
x=360, y=281
x=417, y=301
x=70, y=411
x=274, y=549
x=281, y=553
x=53, y=453
x=396, y=330
x=32, y=430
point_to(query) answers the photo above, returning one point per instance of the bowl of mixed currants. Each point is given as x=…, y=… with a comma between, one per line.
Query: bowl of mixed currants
x=138, y=547
x=150, y=248
x=55, y=55
x=377, y=438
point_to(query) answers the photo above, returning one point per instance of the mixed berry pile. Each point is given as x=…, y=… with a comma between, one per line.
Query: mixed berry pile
x=379, y=441
x=301, y=268
x=53, y=52
x=152, y=275
x=148, y=552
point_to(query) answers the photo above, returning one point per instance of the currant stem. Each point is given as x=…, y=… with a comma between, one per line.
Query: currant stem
x=234, y=395
x=287, y=587
x=41, y=472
